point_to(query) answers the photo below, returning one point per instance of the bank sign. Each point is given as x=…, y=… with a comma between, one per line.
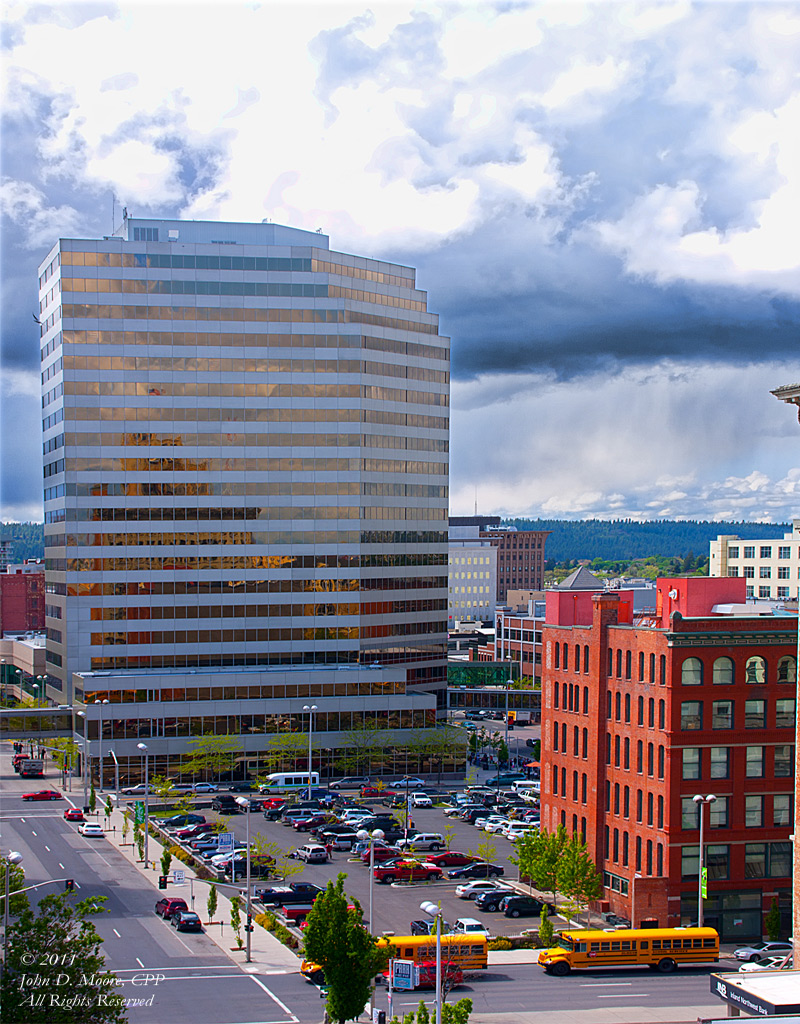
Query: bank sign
x=735, y=993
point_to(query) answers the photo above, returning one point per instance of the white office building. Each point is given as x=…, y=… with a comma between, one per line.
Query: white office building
x=771, y=567
x=246, y=486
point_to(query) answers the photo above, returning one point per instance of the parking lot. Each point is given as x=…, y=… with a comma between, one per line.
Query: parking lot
x=396, y=905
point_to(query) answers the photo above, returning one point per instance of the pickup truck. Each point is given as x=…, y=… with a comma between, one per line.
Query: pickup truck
x=285, y=895
x=406, y=871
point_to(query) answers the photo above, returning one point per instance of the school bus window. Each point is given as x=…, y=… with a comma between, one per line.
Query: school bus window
x=708, y=943
x=594, y=947
x=646, y=945
x=615, y=947
x=605, y=946
x=627, y=945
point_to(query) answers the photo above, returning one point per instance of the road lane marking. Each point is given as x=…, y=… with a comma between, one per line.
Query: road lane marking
x=626, y=995
x=606, y=984
x=61, y=866
x=272, y=996
x=114, y=930
x=34, y=833
x=139, y=962
x=47, y=847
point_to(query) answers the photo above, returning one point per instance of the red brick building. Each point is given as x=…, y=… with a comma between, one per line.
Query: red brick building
x=638, y=716
x=520, y=558
x=21, y=602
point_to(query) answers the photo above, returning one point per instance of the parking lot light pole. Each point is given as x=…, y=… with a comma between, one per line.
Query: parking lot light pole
x=84, y=759
x=372, y=837
x=116, y=776
x=509, y=684
x=435, y=911
x=245, y=802
x=143, y=746
x=100, y=736
x=12, y=858
x=310, y=711
x=701, y=801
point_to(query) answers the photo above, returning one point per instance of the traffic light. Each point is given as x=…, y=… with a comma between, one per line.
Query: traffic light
x=69, y=885
x=249, y=926
x=162, y=881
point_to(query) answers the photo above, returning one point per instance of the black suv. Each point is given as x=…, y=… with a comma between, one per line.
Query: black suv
x=225, y=804
x=525, y=906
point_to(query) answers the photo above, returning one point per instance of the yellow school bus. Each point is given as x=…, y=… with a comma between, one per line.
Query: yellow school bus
x=661, y=949
x=468, y=952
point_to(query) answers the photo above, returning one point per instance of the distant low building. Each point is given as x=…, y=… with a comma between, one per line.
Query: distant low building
x=22, y=598
x=770, y=567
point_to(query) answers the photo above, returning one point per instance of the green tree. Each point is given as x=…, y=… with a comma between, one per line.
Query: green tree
x=236, y=919
x=336, y=939
x=212, y=902
x=485, y=851
x=448, y=834
x=139, y=838
x=108, y=810
x=538, y=855
x=772, y=921
x=364, y=748
x=502, y=753
x=285, y=751
x=64, y=934
x=545, y=929
x=64, y=752
x=577, y=875
x=212, y=754
x=164, y=788
x=267, y=857
x=166, y=860
x=185, y=803
x=92, y=798
x=455, y=1013
x=126, y=827
x=16, y=880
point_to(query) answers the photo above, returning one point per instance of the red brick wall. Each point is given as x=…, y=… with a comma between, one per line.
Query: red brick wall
x=21, y=602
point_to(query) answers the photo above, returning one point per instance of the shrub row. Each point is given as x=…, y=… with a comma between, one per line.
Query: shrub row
x=281, y=933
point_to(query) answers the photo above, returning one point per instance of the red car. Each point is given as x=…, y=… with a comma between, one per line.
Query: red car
x=451, y=859
x=382, y=853
x=407, y=871
x=273, y=801
x=314, y=820
x=376, y=791
x=43, y=794
x=166, y=908
x=74, y=814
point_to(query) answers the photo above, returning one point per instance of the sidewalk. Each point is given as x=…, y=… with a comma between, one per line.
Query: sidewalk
x=268, y=955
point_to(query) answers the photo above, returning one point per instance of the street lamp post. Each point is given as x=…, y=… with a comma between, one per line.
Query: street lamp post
x=143, y=746
x=12, y=858
x=84, y=759
x=310, y=711
x=100, y=735
x=701, y=801
x=245, y=803
x=375, y=836
x=116, y=776
x=435, y=911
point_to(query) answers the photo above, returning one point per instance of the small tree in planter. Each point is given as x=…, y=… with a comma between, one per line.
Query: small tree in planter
x=92, y=798
x=772, y=921
x=166, y=860
x=236, y=919
x=126, y=828
x=545, y=929
x=212, y=902
x=140, y=843
x=108, y=811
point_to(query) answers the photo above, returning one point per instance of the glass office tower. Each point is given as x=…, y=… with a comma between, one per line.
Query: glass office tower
x=245, y=472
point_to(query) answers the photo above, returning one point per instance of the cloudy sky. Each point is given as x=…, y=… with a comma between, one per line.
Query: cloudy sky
x=603, y=201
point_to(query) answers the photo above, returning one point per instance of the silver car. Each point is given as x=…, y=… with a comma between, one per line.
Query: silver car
x=758, y=950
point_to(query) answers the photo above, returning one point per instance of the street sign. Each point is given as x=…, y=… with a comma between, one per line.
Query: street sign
x=403, y=974
x=138, y=812
x=704, y=883
x=178, y=877
x=226, y=841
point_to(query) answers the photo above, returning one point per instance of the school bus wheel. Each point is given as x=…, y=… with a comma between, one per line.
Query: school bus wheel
x=560, y=968
x=666, y=965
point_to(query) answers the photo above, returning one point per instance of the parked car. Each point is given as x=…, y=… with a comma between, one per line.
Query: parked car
x=426, y=927
x=469, y=890
x=406, y=871
x=186, y=921
x=525, y=906
x=312, y=853
x=91, y=830
x=190, y=831
x=469, y=926
x=284, y=895
x=204, y=787
x=758, y=950
x=517, y=829
x=350, y=782
x=409, y=783
x=776, y=962
x=42, y=794
x=241, y=787
x=382, y=854
x=344, y=840
x=424, y=841
x=225, y=804
x=180, y=821
x=451, y=859
x=419, y=800
x=74, y=814
x=314, y=819
x=137, y=790
x=505, y=778
x=479, y=869
x=494, y=823
x=166, y=908
x=490, y=899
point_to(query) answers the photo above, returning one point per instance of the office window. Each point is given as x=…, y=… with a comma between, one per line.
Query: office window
x=691, y=715
x=749, y=592
x=649, y=808
x=618, y=706
x=555, y=781
x=566, y=657
x=557, y=652
x=733, y=570
x=690, y=863
x=660, y=819
x=627, y=707
x=619, y=664
x=584, y=785
x=692, y=672
x=784, y=760
x=717, y=861
x=749, y=572
x=652, y=668
x=750, y=551
x=627, y=664
x=755, y=671
x=783, y=594
x=650, y=758
x=651, y=712
x=691, y=762
x=784, y=713
x=639, y=756
x=641, y=666
x=555, y=695
x=585, y=742
x=639, y=805
x=784, y=572
x=765, y=552
x=586, y=700
x=616, y=798
x=753, y=811
x=586, y=658
x=755, y=860
x=764, y=572
x=754, y=763
x=609, y=700
x=787, y=670
x=723, y=672
x=608, y=748
x=661, y=760
x=784, y=552
x=555, y=736
x=780, y=860
x=616, y=751
x=662, y=714
x=764, y=592
x=626, y=757
x=575, y=735
x=626, y=802
x=718, y=813
x=662, y=670
x=640, y=710
x=649, y=868
x=733, y=552
x=782, y=809
x=722, y=714
x=625, y=849
x=755, y=714
x=720, y=762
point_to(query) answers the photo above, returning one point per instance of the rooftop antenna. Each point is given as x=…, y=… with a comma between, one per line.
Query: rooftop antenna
x=113, y=212
x=476, y=499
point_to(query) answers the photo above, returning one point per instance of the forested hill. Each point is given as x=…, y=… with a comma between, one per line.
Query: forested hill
x=615, y=539
x=625, y=538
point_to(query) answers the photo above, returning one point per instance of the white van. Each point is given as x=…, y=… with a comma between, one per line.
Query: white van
x=280, y=782
x=521, y=785
x=469, y=926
